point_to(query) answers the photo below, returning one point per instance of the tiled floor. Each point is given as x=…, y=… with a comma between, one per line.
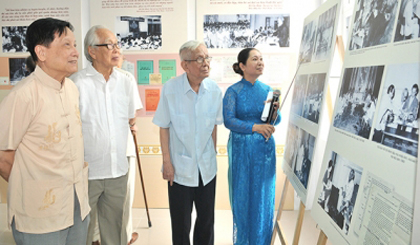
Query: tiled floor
x=160, y=232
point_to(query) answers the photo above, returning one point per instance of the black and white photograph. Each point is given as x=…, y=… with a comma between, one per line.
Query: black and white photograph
x=292, y=144
x=247, y=31
x=340, y=185
x=299, y=92
x=373, y=23
x=307, y=43
x=17, y=70
x=13, y=39
x=408, y=24
x=303, y=157
x=357, y=100
x=313, y=99
x=139, y=32
x=396, y=123
x=324, y=34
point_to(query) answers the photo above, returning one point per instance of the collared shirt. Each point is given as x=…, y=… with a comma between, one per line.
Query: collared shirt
x=191, y=118
x=105, y=108
x=131, y=147
x=41, y=121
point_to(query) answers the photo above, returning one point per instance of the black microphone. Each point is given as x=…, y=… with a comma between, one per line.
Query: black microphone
x=276, y=96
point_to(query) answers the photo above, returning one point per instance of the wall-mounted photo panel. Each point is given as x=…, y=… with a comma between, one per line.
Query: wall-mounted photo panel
x=13, y=39
x=303, y=159
x=315, y=55
x=325, y=34
x=375, y=127
x=396, y=124
x=292, y=145
x=143, y=26
x=139, y=32
x=340, y=188
x=312, y=103
x=299, y=91
x=357, y=100
x=17, y=70
x=408, y=25
x=17, y=15
x=246, y=30
x=373, y=23
x=308, y=41
x=298, y=158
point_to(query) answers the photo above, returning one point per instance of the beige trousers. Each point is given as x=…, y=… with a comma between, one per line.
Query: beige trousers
x=107, y=199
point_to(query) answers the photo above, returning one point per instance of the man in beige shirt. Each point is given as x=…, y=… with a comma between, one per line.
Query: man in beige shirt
x=41, y=144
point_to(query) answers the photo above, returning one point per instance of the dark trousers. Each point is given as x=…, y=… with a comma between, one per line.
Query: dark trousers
x=181, y=199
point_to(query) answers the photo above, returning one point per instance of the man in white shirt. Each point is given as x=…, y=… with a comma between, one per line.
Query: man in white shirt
x=189, y=110
x=108, y=103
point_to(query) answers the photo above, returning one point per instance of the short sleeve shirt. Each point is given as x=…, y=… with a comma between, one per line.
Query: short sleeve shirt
x=105, y=109
x=41, y=122
x=191, y=118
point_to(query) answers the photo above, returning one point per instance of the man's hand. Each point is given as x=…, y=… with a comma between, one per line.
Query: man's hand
x=132, y=123
x=133, y=129
x=168, y=172
x=6, y=163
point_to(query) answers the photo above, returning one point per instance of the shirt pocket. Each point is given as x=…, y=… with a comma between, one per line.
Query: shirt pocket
x=94, y=153
x=209, y=158
x=184, y=166
x=181, y=123
x=122, y=108
x=44, y=198
x=209, y=121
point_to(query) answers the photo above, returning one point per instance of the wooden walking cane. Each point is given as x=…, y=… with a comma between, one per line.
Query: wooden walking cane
x=141, y=178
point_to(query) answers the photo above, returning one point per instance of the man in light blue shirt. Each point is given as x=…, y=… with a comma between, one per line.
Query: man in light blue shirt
x=189, y=110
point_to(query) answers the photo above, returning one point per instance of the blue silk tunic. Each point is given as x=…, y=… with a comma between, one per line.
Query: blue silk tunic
x=252, y=164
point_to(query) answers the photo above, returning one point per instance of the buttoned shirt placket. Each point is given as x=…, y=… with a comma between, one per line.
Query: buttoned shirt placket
x=65, y=115
x=197, y=128
x=111, y=128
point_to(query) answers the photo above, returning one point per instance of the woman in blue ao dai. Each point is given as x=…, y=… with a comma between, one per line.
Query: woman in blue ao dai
x=251, y=147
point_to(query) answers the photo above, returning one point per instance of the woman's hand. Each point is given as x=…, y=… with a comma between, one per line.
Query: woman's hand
x=265, y=129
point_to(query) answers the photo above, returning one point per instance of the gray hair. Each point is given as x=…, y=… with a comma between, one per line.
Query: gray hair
x=186, y=50
x=91, y=39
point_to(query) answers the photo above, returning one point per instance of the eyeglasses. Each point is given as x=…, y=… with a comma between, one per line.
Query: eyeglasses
x=110, y=46
x=200, y=60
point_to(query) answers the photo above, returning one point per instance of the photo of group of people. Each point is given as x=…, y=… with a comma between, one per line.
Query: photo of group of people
x=307, y=96
x=397, y=120
x=408, y=24
x=299, y=153
x=373, y=23
x=246, y=31
x=340, y=186
x=355, y=107
x=13, y=39
x=140, y=32
x=317, y=37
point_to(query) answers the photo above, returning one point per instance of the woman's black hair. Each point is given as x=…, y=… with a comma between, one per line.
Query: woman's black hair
x=242, y=58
